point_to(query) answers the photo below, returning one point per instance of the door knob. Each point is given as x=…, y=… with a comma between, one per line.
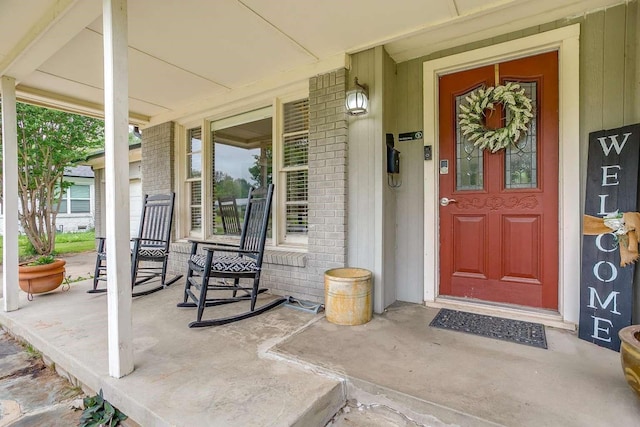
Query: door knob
x=445, y=201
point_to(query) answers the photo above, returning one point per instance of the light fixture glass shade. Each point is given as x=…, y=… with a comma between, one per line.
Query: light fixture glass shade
x=356, y=101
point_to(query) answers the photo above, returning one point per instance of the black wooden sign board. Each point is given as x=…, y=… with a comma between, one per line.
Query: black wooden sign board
x=606, y=291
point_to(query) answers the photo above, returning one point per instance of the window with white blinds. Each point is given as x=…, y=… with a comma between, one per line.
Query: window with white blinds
x=194, y=179
x=225, y=156
x=295, y=169
x=76, y=199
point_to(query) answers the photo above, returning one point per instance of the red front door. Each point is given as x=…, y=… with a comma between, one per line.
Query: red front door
x=499, y=234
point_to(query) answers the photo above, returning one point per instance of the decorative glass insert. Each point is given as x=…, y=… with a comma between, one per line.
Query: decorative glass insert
x=521, y=160
x=469, y=159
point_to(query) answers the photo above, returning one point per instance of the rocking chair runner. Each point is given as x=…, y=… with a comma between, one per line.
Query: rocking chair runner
x=150, y=248
x=208, y=272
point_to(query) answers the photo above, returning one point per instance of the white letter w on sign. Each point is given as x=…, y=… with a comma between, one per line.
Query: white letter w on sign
x=614, y=143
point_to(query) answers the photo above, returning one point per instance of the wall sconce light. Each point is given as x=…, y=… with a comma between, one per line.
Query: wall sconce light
x=357, y=100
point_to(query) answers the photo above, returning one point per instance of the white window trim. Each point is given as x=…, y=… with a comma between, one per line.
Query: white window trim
x=221, y=121
x=566, y=42
x=75, y=182
x=279, y=177
x=183, y=219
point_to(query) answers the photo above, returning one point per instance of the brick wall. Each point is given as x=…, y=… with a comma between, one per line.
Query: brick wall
x=327, y=178
x=158, y=159
x=293, y=273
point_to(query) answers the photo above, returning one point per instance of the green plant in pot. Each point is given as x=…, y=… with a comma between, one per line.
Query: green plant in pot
x=44, y=274
x=48, y=142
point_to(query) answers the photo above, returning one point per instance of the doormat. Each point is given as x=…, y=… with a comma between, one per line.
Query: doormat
x=517, y=331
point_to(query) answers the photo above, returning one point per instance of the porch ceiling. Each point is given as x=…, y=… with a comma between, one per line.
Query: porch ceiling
x=185, y=54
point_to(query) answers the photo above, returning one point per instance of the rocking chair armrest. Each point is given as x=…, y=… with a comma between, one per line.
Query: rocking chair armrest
x=220, y=249
x=210, y=243
x=137, y=239
x=195, y=243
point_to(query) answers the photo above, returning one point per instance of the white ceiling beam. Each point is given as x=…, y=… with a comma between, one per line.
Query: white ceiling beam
x=54, y=29
x=42, y=98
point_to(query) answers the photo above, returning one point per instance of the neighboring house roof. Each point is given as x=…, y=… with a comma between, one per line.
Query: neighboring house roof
x=96, y=160
x=100, y=154
x=79, y=171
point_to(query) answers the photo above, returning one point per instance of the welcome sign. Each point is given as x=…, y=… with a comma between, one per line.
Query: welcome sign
x=606, y=292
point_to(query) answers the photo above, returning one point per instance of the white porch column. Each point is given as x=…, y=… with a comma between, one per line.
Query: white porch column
x=116, y=114
x=10, y=193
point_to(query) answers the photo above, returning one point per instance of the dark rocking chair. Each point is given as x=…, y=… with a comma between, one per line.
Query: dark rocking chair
x=229, y=215
x=209, y=271
x=150, y=251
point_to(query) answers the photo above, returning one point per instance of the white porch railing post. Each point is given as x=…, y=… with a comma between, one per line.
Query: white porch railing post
x=9, y=193
x=116, y=113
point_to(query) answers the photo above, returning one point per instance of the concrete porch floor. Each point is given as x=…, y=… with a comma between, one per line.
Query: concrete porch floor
x=287, y=367
x=183, y=377
x=400, y=361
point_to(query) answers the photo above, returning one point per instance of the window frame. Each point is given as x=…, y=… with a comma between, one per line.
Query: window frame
x=248, y=116
x=220, y=121
x=280, y=177
x=68, y=198
x=188, y=181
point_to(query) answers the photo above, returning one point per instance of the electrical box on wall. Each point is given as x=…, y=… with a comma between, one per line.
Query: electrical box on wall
x=427, y=152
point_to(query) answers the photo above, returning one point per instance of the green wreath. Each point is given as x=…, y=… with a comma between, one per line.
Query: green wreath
x=513, y=98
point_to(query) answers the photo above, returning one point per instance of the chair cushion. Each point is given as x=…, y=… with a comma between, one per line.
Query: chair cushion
x=228, y=263
x=151, y=252
x=143, y=252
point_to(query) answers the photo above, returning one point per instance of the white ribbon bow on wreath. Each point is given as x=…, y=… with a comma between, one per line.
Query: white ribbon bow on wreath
x=514, y=100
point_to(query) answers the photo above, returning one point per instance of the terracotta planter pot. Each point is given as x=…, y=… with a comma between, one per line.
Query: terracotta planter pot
x=630, y=355
x=37, y=279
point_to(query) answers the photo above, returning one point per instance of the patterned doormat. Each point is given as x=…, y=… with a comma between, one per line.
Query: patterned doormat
x=492, y=327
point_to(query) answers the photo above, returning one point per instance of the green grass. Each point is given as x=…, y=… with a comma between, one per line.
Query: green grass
x=69, y=243
x=66, y=243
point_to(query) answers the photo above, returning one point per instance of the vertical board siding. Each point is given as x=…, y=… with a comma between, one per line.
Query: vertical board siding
x=591, y=85
x=410, y=196
x=389, y=208
x=631, y=82
x=614, y=69
x=362, y=234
